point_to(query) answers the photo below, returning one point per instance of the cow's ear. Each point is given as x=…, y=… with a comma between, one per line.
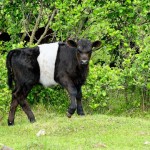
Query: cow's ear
x=96, y=44
x=72, y=43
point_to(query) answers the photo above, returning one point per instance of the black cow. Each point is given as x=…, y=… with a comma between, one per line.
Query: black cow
x=49, y=64
x=38, y=34
x=4, y=36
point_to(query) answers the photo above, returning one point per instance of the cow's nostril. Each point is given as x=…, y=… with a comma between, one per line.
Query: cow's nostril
x=84, y=62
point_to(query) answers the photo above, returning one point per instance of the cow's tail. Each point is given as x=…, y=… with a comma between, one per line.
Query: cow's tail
x=9, y=69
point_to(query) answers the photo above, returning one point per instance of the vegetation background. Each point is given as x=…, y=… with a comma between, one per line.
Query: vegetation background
x=118, y=81
x=119, y=78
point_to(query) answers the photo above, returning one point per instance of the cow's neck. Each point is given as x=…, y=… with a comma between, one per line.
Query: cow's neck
x=83, y=70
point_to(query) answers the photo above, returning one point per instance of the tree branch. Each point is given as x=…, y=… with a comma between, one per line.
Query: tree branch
x=24, y=23
x=47, y=26
x=36, y=24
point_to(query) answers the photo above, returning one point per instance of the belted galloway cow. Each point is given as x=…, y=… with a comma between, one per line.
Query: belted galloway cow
x=64, y=63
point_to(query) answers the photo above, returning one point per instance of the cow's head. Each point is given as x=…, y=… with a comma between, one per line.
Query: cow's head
x=83, y=49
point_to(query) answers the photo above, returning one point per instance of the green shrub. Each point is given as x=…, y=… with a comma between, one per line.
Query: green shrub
x=54, y=96
x=106, y=89
x=5, y=94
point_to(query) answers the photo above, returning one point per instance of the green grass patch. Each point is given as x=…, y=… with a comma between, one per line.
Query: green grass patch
x=80, y=133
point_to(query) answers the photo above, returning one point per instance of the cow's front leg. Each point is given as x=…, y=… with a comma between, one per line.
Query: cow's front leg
x=79, y=102
x=73, y=106
x=72, y=91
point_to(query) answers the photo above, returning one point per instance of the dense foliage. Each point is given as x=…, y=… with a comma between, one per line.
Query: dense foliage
x=119, y=78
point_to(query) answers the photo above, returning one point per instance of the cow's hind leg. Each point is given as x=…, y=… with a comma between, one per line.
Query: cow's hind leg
x=13, y=107
x=26, y=108
x=24, y=104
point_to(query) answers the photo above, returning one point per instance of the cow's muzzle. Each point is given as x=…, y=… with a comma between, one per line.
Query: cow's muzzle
x=84, y=62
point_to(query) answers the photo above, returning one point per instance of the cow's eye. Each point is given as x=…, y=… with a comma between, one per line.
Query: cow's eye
x=89, y=52
x=80, y=51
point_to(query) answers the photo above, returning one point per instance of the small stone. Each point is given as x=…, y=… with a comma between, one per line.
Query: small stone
x=146, y=143
x=41, y=132
x=6, y=148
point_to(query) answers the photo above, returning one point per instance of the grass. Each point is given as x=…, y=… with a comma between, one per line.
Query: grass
x=81, y=133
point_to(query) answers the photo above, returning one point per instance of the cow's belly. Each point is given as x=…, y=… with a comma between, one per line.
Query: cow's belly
x=46, y=60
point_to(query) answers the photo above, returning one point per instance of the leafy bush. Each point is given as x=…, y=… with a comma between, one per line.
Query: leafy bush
x=5, y=94
x=129, y=84
x=106, y=89
x=54, y=96
x=123, y=28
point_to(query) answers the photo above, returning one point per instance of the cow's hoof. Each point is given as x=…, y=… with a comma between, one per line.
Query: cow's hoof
x=10, y=123
x=32, y=120
x=69, y=115
x=81, y=114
